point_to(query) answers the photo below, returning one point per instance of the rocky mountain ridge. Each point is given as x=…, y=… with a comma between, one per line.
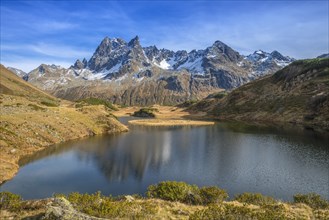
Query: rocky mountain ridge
x=121, y=71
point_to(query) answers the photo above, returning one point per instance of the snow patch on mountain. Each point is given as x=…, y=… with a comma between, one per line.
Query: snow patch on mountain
x=195, y=67
x=164, y=65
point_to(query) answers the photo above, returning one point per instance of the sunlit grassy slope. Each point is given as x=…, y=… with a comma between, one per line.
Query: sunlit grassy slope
x=32, y=120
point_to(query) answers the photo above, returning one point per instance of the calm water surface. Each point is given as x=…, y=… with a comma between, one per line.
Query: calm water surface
x=278, y=162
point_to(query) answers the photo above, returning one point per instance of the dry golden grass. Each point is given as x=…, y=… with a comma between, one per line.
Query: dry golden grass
x=29, y=124
x=170, y=122
x=26, y=128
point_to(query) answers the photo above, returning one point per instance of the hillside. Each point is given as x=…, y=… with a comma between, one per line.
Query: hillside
x=299, y=94
x=32, y=120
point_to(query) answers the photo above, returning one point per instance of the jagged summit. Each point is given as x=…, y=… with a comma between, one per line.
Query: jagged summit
x=134, y=42
x=263, y=61
x=127, y=73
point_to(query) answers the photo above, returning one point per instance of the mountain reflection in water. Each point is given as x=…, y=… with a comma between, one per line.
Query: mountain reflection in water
x=276, y=161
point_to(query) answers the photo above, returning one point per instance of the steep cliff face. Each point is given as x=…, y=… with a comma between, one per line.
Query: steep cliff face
x=129, y=74
x=299, y=93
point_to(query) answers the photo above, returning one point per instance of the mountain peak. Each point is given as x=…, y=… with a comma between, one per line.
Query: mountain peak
x=275, y=54
x=260, y=52
x=134, y=42
x=80, y=65
x=220, y=49
x=106, y=40
x=218, y=43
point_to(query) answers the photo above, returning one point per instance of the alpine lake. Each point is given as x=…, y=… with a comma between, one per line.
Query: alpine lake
x=277, y=161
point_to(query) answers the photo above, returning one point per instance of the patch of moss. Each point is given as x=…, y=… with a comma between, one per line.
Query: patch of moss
x=219, y=95
x=36, y=107
x=49, y=103
x=95, y=101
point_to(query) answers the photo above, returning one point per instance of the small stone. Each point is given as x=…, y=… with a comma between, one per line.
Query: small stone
x=12, y=151
x=129, y=198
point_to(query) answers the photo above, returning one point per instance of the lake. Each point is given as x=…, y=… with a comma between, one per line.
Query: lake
x=275, y=161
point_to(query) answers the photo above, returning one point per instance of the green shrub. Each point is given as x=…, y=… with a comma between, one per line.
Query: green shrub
x=186, y=193
x=36, y=107
x=10, y=201
x=147, y=112
x=219, y=95
x=212, y=194
x=50, y=103
x=95, y=101
x=254, y=198
x=313, y=200
x=175, y=191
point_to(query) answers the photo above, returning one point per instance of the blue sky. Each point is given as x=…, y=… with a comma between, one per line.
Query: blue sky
x=59, y=32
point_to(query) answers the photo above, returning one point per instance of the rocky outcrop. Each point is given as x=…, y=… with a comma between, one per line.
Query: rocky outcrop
x=61, y=209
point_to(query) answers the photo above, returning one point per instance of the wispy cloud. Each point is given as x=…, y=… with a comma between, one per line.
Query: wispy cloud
x=58, y=50
x=63, y=31
x=289, y=30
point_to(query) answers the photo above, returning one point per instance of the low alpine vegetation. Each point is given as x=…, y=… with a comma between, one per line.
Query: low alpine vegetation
x=95, y=101
x=255, y=199
x=10, y=201
x=171, y=199
x=186, y=193
x=50, y=102
x=108, y=207
x=313, y=200
x=147, y=112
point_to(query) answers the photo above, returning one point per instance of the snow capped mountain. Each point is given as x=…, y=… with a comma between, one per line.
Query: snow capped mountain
x=260, y=56
x=264, y=63
x=143, y=75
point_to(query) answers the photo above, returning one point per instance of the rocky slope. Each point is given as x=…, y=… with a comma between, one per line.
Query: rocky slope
x=32, y=120
x=18, y=72
x=299, y=93
x=127, y=73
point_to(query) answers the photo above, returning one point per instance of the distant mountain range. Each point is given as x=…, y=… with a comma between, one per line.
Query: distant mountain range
x=127, y=73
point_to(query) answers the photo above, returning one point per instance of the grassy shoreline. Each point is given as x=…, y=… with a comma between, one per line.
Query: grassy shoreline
x=165, y=200
x=168, y=122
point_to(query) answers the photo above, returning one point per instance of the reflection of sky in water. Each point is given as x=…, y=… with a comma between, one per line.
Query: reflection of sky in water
x=276, y=162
